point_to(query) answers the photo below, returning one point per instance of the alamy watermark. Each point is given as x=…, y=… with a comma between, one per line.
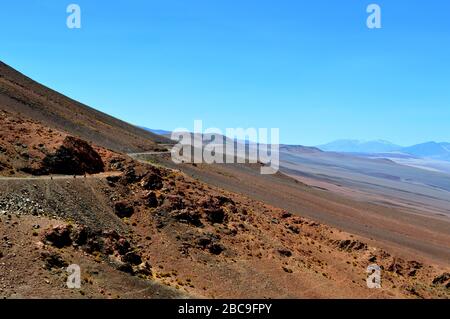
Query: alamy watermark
x=374, y=18
x=237, y=145
x=374, y=278
x=74, y=278
x=74, y=19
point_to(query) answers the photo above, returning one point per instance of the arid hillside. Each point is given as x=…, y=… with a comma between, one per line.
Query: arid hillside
x=146, y=229
x=20, y=94
x=163, y=234
x=387, y=225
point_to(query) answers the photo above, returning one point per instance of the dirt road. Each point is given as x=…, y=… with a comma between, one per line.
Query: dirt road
x=59, y=177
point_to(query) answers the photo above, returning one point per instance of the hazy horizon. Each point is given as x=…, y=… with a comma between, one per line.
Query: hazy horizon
x=164, y=131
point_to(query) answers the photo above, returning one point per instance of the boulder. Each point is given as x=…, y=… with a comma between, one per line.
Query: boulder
x=80, y=236
x=215, y=216
x=129, y=176
x=216, y=249
x=123, y=209
x=204, y=241
x=285, y=252
x=151, y=181
x=122, y=246
x=73, y=157
x=59, y=236
x=151, y=200
x=132, y=258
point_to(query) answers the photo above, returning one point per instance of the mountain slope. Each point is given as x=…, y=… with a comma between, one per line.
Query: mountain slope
x=430, y=150
x=20, y=94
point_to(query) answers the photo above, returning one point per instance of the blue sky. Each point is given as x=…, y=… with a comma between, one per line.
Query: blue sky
x=311, y=68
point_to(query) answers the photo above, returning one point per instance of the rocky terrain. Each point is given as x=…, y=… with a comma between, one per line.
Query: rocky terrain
x=173, y=235
x=146, y=230
x=27, y=147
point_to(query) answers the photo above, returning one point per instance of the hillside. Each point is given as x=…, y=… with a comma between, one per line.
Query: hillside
x=20, y=94
x=151, y=229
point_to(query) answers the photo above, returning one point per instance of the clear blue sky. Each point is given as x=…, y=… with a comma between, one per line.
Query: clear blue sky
x=311, y=68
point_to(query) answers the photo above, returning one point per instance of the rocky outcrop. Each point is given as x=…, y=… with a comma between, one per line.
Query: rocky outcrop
x=211, y=243
x=151, y=200
x=442, y=279
x=151, y=181
x=351, y=245
x=73, y=157
x=402, y=267
x=109, y=245
x=215, y=216
x=59, y=236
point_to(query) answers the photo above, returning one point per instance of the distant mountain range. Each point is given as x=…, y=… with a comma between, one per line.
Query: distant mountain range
x=382, y=148
x=432, y=150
